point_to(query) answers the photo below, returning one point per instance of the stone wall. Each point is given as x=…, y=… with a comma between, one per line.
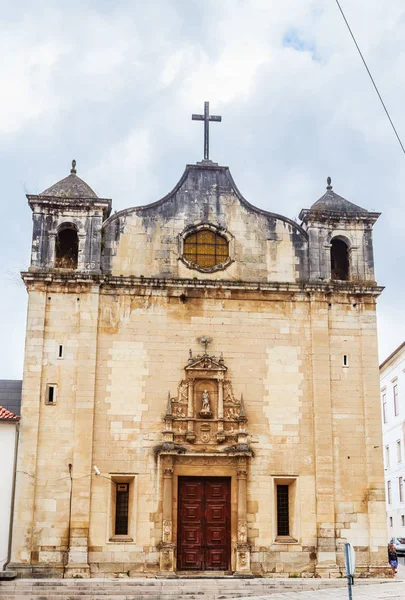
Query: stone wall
x=312, y=421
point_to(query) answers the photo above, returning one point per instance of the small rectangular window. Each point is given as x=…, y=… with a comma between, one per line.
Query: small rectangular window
x=399, y=451
x=283, y=519
x=121, y=509
x=387, y=456
x=389, y=492
x=384, y=404
x=401, y=489
x=51, y=389
x=403, y=520
x=60, y=351
x=396, y=406
x=391, y=522
x=345, y=360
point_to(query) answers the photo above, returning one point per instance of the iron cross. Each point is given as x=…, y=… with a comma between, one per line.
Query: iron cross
x=206, y=117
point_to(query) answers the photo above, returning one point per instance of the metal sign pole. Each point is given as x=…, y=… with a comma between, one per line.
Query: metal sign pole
x=350, y=563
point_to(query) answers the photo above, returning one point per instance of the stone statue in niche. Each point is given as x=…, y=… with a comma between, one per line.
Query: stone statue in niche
x=232, y=413
x=206, y=401
x=205, y=411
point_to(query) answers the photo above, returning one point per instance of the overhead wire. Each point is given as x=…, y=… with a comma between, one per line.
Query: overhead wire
x=371, y=77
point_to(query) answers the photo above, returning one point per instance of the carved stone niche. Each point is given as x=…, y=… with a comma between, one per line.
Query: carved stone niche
x=205, y=411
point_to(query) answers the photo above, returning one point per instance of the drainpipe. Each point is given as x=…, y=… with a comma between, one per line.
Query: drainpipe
x=10, y=531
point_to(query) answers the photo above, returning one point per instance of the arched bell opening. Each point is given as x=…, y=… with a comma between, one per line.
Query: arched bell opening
x=67, y=247
x=339, y=257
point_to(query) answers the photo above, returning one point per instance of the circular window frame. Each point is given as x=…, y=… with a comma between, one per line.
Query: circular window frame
x=217, y=230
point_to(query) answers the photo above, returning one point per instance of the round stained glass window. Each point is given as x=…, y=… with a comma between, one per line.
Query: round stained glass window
x=206, y=249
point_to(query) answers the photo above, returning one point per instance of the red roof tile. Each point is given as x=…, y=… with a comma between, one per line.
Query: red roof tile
x=6, y=415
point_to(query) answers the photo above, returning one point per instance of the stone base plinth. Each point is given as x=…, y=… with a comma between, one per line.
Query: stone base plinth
x=166, y=562
x=36, y=571
x=243, y=560
x=77, y=570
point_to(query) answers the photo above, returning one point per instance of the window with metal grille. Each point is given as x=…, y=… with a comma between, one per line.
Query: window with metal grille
x=121, y=509
x=283, y=525
x=206, y=249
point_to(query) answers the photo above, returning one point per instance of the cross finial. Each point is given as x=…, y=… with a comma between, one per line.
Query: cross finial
x=329, y=182
x=206, y=117
x=73, y=169
x=205, y=341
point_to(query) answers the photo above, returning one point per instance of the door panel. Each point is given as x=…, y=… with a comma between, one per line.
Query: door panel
x=204, y=524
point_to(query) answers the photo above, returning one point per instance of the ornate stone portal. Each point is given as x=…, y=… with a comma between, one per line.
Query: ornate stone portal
x=205, y=432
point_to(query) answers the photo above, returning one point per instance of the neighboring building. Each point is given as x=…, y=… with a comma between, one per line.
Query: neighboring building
x=392, y=381
x=218, y=365
x=10, y=407
x=10, y=394
x=8, y=448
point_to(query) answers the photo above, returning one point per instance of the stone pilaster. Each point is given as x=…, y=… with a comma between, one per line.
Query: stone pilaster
x=83, y=436
x=242, y=548
x=376, y=507
x=323, y=439
x=26, y=477
x=167, y=562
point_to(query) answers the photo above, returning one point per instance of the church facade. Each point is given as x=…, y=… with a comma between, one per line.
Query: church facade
x=201, y=387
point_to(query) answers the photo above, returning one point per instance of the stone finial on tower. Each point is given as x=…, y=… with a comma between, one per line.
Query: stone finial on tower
x=73, y=169
x=329, y=182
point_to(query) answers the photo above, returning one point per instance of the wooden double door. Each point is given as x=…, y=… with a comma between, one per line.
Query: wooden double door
x=204, y=524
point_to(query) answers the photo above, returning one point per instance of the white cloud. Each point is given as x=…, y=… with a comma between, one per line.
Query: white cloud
x=114, y=85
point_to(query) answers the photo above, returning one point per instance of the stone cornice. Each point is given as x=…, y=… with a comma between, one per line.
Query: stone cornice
x=56, y=203
x=309, y=217
x=113, y=283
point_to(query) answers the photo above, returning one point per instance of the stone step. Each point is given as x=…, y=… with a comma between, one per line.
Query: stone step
x=160, y=589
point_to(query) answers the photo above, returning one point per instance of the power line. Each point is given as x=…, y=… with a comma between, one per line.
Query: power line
x=371, y=77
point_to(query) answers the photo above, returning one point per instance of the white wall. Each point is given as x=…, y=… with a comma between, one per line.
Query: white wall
x=393, y=373
x=7, y=448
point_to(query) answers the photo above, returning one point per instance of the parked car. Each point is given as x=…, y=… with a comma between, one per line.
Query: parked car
x=399, y=545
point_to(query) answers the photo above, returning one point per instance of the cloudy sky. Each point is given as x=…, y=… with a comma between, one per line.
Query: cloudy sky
x=113, y=83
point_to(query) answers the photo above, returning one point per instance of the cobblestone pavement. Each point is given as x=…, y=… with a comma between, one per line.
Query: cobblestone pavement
x=394, y=590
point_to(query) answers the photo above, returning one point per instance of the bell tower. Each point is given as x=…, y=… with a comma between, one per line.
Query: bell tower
x=340, y=239
x=67, y=219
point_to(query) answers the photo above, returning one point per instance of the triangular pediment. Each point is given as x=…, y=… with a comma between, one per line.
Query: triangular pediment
x=204, y=363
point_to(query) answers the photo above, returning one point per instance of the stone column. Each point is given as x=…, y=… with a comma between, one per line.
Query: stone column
x=353, y=256
x=51, y=250
x=167, y=547
x=220, y=399
x=190, y=435
x=242, y=548
x=220, y=433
